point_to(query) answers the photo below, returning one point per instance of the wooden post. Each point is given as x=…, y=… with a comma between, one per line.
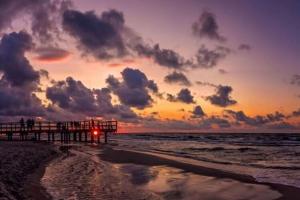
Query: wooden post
x=80, y=135
x=85, y=136
x=75, y=136
x=105, y=137
x=61, y=136
x=92, y=137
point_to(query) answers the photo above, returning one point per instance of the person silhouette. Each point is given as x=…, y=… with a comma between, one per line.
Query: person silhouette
x=22, y=124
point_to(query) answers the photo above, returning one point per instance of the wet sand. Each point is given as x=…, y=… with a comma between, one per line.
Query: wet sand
x=138, y=158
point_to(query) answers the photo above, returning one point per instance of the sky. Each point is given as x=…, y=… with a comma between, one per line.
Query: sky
x=173, y=65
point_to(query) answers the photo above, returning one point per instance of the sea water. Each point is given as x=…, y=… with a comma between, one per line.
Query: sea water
x=268, y=157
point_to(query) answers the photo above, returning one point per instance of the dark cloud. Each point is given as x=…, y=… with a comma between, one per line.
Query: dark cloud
x=244, y=47
x=51, y=54
x=152, y=86
x=164, y=57
x=296, y=113
x=223, y=71
x=222, y=97
x=107, y=37
x=281, y=125
x=207, y=27
x=215, y=120
x=74, y=97
x=177, y=77
x=134, y=90
x=71, y=95
x=184, y=96
x=198, y=112
x=100, y=36
x=19, y=81
x=44, y=15
x=18, y=101
x=295, y=79
x=202, y=83
x=277, y=116
x=14, y=65
x=258, y=120
x=45, y=18
x=206, y=58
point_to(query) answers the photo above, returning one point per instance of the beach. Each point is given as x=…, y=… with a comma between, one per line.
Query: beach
x=85, y=171
x=22, y=164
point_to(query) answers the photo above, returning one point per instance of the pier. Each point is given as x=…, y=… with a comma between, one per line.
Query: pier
x=63, y=131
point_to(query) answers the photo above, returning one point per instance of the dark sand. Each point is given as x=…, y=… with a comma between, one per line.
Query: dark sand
x=124, y=156
x=21, y=167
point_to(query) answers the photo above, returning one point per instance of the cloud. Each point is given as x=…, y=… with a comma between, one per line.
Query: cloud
x=277, y=116
x=44, y=15
x=295, y=80
x=19, y=81
x=71, y=95
x=281, y=125
x=184, y=96
x=51, y=54
x=296, y=113
x=258, y=120
x=134, y=89
x=177, y=77
x=163, y=57
x=198, y=112
x=74, y=97
x=215, y=120
x=14, y=65
x=18, y=101
x=244, y=47
x=99, y=35
x=206, y=84
x=206, y=58
x=207, y=27
x=107, y=37
x=223, y=71
x=222, y=97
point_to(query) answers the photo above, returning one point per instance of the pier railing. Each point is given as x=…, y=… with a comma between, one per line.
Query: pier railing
x=94, y=128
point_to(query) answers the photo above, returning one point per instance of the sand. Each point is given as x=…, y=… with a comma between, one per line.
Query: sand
x=19, y=163
x=32, y=170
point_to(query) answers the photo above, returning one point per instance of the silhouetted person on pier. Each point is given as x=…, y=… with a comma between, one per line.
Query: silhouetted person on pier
x=32, y=123
x=28, y=124
x=58, y=125
x=93, y=123
x=22, y=124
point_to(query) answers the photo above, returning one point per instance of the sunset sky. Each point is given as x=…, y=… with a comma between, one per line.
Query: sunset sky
x=173, y=65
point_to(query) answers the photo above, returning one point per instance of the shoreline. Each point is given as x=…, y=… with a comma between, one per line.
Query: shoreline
x=143, y=158
x=33, y=186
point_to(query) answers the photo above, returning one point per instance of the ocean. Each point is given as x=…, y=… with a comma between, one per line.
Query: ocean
x=267, y=157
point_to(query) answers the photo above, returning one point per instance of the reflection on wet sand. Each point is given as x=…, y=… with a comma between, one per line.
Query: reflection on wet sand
x=172, y=183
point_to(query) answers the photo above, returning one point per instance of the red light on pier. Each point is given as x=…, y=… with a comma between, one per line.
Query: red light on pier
x=95, y=132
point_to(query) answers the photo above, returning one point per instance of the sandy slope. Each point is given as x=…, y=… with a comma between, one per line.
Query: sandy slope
x=17, y=161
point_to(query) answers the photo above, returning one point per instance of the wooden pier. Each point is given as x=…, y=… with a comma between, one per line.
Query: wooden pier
x=64, y=131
